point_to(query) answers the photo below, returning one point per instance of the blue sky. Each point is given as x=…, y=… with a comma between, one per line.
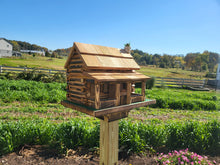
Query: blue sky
x=154, y=26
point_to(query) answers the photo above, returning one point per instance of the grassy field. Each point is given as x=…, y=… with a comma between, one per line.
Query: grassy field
x=171, y=72
x=55, y=63
x=32, y=62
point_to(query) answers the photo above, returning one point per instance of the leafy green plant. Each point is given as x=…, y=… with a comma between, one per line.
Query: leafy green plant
x=133, y=137
x=183, y=99
x=21, y=90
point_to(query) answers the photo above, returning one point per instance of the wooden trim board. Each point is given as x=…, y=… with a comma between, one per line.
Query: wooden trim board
x=112, y=113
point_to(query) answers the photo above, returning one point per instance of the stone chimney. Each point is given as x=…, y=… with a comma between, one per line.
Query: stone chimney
x=127, y=48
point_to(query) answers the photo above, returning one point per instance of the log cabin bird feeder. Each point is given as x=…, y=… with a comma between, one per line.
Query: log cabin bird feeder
x=100, y=83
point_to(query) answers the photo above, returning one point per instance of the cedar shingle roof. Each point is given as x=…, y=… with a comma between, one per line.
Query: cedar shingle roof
x=102, y=57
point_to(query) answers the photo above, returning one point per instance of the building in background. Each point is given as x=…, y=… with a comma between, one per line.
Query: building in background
x=40, y=52
x=5, y=48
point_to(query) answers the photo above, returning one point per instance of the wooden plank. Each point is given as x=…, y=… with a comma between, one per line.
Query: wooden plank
x=108, y=142
x=97, y=95
x=96, y=61
x=117, y=94
x=117, y=116
x=74, y=89
x=76, y=56
x=119, y=111
x=74, y=99
x=76, y=83
x=122, y=108
x=77, y=86
x=76, y=62
x=71, y=70
x=73, y=66
x=77, y=95
x=74, y=75
x=128, y=92
x=77, y=107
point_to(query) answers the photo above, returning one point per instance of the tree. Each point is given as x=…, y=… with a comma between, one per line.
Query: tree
x=47, y=54
x=54, y=54
x=16, y=46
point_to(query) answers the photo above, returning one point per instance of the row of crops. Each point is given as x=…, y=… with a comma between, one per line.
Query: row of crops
x=133, y=137
x=25, y=106
x=14, y=90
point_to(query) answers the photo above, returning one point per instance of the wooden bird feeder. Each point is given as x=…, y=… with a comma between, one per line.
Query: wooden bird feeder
x=100, y=83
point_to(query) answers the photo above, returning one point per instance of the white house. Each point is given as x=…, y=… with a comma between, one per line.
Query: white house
x=40, y=52
x=5, y=48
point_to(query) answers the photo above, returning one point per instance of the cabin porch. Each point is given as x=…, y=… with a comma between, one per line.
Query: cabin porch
x=109, y=94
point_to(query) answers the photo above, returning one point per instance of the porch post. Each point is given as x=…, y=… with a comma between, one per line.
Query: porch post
x=117, y=94
x=143, y=87
x=128, y=92
x=97, y=95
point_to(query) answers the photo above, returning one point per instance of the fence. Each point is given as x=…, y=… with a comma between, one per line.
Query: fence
x=178, y=82
x=5, y=69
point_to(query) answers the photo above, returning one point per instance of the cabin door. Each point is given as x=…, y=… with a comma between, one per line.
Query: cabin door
x=123, y=93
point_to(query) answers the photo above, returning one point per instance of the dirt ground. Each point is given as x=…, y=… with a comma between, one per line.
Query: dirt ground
x=42, y=155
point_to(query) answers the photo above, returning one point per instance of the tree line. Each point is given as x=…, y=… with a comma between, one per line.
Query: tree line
x=206, y=61
x=21, y=45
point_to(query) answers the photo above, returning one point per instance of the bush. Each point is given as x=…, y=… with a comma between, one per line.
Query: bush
x=35, y=75
x=149, y=83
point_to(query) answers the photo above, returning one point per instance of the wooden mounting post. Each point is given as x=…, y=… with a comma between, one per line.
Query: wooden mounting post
x=108, y=142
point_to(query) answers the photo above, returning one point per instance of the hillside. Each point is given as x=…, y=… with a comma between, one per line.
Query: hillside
x=32, y=62
x=22, y=45
x=55, y=63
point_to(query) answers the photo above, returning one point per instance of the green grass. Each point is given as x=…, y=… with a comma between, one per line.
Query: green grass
x=171, y=72
x=55, y=63
x=34, y=62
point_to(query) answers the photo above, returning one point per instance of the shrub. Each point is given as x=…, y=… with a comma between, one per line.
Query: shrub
x=35, y=75
x=149, y=83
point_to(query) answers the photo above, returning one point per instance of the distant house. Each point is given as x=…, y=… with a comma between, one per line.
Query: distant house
x=5, y=48
x=40, y=52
